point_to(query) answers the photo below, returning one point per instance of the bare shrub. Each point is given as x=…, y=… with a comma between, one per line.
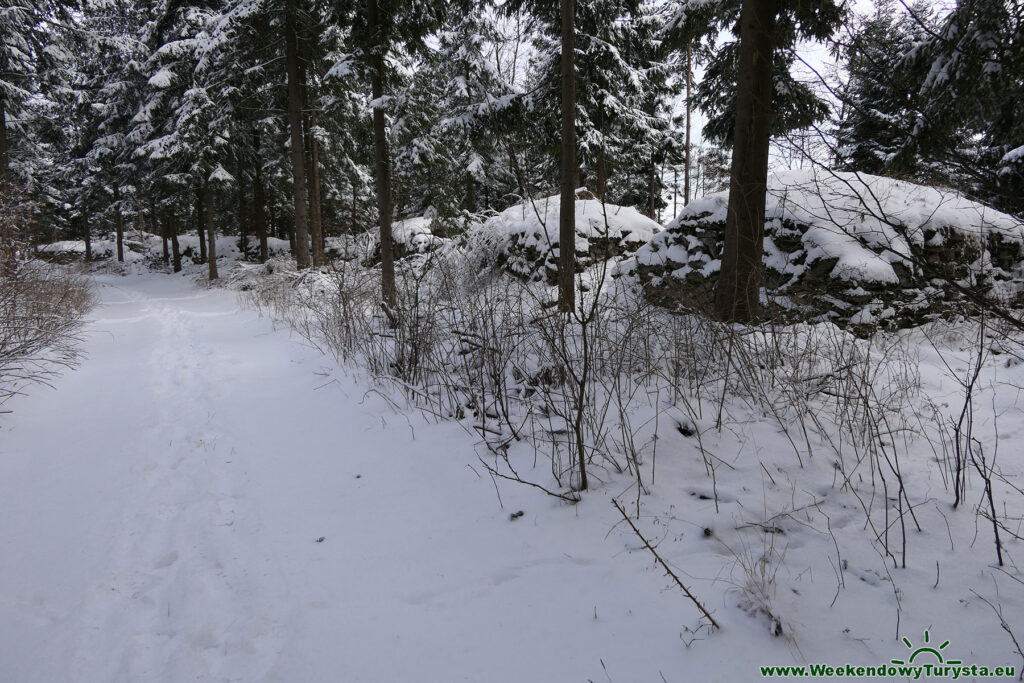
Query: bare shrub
x=42, y=309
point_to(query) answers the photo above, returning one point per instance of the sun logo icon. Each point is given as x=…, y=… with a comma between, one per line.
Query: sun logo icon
x=923, y=649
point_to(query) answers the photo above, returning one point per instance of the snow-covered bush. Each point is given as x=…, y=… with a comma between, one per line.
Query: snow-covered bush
x=858, y=249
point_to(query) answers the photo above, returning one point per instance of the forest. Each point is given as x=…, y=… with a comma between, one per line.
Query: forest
x=624, y=340
x=255, y=119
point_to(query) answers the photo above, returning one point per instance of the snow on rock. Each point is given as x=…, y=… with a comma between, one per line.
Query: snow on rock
x=527, y=234
x=141, y=246
x=348, y=247
x=409, y=236
x=66, y=251
x=847, y=246
x=414, y=235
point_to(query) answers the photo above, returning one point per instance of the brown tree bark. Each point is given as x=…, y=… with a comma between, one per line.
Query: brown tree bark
x=567, y=212
x=382, y=162
x=88, y=239
x=259, y=201
x=243, y=230
x=739, y=283
x=301, y=247
x=675, y=191
x=210, y=236
x=172, y=223
x=355, y=207
x=652, y=189
x=316, y=225
x=4, y=159
x=201, y=223
x=686, y=171
x=163, y=240
x=119, y=225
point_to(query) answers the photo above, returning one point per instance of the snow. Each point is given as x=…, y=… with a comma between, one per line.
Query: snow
x=101, y=248
x=538, y=221
x=341, y=68
x=168, y=529
x=1014, y=155
x=63, y=246
x=415, y=234
x=853, y=218
x=221, y=175
x=163, y=78
x=140, y=246
x=528, y=232
x=209, y=498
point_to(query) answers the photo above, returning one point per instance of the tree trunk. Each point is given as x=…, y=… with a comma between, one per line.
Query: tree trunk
x=259, y=201
x=567, y=212
x=382, y=162
x=652, y=189
x=119, y=226
x=210, y=236
x=301, y=247
x=567, y=203
x=686, y=171
x=327, y=225
x=201, y=224
x=316, y=210
x=88, y=239
x=739, y=284
x=163, y=239
x=4, y=159
x=470, y=193
x=675, y=191
x=660, y=187
x=172, y=223
x=154, y=221
x=243, y=233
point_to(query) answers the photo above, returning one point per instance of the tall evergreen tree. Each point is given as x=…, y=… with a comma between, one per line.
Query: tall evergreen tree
x=32, y=54
x=970, y=108
x=879, y=100
x=749, y=93
x=382, y=28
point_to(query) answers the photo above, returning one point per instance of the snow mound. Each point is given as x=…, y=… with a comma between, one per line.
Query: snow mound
x=527, y=234
x=142, y=246
x=363, y=246
x=410, y=236
x=857, y=248
x=66, y=251
x=415, y=236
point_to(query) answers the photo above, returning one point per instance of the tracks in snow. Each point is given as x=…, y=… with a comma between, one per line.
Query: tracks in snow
x=183, y=599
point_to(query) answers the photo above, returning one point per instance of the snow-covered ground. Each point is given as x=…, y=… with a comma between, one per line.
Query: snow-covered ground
x=209, y=499
x=160, y=511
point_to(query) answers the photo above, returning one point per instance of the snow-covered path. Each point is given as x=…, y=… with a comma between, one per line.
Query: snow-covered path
x=161, y=510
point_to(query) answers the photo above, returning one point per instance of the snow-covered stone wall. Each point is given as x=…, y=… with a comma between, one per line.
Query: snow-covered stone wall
x=860, y=249
x=526, y=235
